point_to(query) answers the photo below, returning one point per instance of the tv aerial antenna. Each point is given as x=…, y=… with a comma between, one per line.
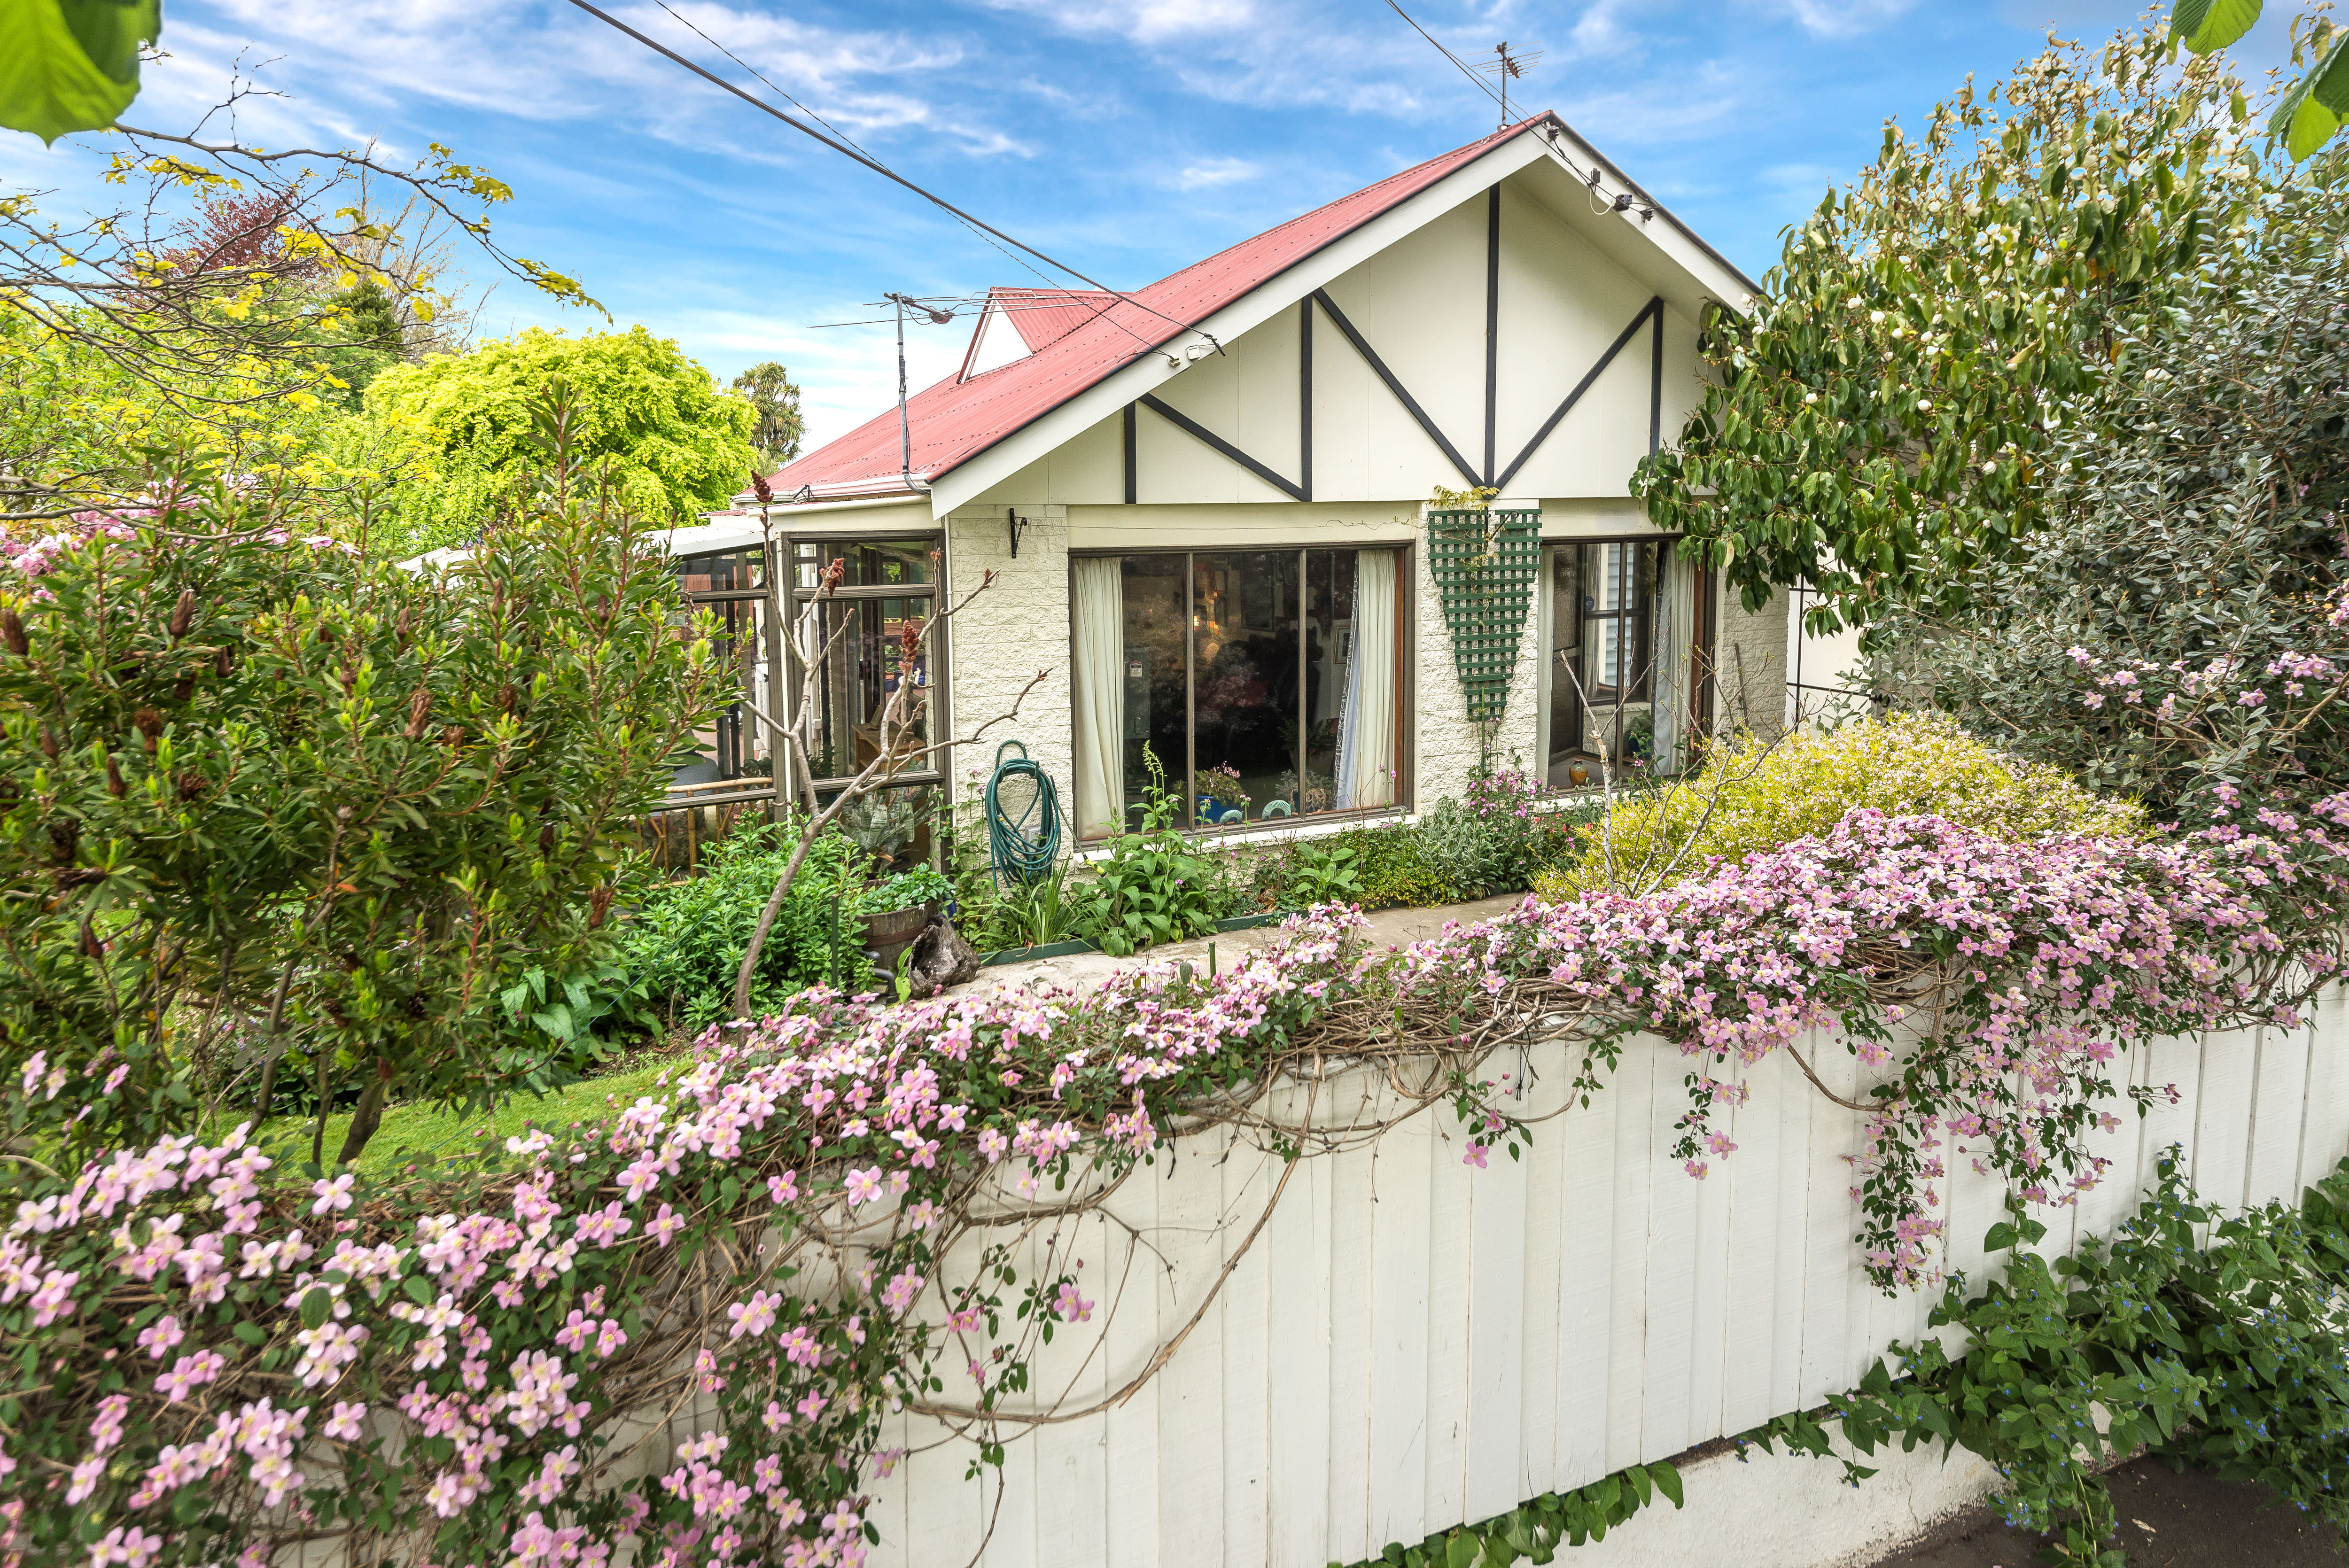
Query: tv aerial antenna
x=1505, y=67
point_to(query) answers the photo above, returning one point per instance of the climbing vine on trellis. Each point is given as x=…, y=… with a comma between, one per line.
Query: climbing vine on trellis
x=1485, y=563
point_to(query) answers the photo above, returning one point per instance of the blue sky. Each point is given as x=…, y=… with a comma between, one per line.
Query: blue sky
x=1126, y=139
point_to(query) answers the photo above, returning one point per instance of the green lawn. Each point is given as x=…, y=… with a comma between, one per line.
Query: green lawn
x=419, y=1133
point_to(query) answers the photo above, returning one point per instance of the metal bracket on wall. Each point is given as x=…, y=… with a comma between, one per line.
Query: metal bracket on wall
x=1017, y=525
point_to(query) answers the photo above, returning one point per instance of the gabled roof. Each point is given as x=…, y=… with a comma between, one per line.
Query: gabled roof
x=1086, y=336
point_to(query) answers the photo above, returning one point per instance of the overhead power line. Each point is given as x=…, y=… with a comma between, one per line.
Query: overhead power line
x=847, y=150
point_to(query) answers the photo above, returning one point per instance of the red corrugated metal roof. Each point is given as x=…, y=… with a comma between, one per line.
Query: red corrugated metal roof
x=1044, y=316
x=956, y=420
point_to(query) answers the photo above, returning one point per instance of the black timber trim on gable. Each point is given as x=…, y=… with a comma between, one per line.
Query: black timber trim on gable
x=1410, y=402
x=1305, y=397
x=1133, y=472
x=1655, y=308
x=1492, y=325
x=1199, y=432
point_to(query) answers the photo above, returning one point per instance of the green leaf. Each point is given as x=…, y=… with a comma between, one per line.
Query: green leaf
x=2203, y=25
x=1998, y=1238
x=2312, y=111
x=316, y=1305
x=71, y=65
x=248, y=1331
x=1667, y=1480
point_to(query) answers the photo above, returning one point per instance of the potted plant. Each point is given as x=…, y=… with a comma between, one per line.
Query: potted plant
x=1221, y=798
x=893, y=910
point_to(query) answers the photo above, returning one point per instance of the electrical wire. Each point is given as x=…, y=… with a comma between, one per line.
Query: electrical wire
x=1447, y=54
x=1022, y=261
x=847, y=150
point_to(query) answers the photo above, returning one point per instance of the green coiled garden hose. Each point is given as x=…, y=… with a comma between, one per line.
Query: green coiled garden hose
x=1025, y=847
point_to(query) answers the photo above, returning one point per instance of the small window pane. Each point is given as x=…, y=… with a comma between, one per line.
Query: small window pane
x=863, y=664
x=1245, y=624
x=1152, y=586
x=730, y=572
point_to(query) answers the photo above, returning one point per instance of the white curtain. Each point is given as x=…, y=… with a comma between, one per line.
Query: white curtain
x=1675, y=660
x=1366, y=730
x=1097, y=654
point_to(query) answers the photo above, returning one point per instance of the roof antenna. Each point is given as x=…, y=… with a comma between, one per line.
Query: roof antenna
x=1506, y=66
x=905, y=429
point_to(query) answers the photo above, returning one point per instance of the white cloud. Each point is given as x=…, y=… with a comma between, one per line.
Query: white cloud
x=1142, y=21
x=1843, y=19
x=1211, y=171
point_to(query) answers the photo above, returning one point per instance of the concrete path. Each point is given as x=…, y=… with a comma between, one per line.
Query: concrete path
x=1389, y=928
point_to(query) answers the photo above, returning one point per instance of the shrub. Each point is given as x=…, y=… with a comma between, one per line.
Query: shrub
x=1317, y=873
x=688, y=939
x=1752, y=796
x=2212, y=1340
x=256, y=788
x=2181, y=635
x=1152, y=886
x=1487, y=842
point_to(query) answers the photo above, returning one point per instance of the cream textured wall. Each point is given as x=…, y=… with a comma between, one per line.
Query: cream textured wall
x=1749, y=666
x=1014, y=629
x=1449, y=747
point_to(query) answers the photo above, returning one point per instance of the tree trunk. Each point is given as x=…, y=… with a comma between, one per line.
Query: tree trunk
x=767, y=920
x=368, y=1116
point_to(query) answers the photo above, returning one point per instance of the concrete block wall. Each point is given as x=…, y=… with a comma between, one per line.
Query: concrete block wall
x=1018, y=626
x=1449, y=747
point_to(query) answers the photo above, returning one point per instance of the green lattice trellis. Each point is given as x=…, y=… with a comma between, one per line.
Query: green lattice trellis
x=1485, y=564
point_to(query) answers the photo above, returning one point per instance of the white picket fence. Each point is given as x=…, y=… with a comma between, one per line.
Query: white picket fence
x=1412, y=1343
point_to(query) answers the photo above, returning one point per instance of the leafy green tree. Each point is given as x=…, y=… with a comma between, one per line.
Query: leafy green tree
x=263, y=796
x=671, y=439
x=770, y=391
x=2180, y=630
x=1878, y=423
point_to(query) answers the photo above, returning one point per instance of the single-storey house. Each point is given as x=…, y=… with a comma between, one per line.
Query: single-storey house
x=1206, y=506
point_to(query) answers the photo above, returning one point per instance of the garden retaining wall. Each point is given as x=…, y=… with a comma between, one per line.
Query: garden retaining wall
x=1410, y=1342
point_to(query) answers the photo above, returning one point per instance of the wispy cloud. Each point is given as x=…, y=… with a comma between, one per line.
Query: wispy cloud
x=1844, y=18
x=1216, y=171
x=1142, y=21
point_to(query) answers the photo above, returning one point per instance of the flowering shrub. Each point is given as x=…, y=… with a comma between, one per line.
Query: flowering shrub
x=263, y=799
x=1753, y=795
x=2181, y=625
x=221, y=1359
x=1490, y=840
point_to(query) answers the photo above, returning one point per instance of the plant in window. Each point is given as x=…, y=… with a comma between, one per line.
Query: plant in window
x=1220, y=793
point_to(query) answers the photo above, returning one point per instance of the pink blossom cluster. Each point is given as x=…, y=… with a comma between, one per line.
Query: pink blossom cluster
x=468, y=1344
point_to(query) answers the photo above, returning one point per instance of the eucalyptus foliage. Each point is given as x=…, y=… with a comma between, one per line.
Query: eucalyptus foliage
x=2179, y=635
x=1878, y=422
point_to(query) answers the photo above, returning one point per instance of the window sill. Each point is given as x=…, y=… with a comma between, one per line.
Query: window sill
x=1258, y=834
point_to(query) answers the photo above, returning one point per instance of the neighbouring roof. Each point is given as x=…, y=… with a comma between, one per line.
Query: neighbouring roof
x=1077, y=337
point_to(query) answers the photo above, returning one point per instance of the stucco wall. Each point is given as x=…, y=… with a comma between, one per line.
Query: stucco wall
x=1015, y=628
x=1449, y=746
x=1749, y=666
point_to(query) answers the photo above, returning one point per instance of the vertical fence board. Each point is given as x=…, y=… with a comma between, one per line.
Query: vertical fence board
x=1827, y=1272
x=1496, y=1338
x=1249, y=1176
x=2173, y=1066
x=2222, y=1121
x=1750, y=1320
x=1453, y=1190
x=1299, y=1265
x=1399, y=1255
x=1585, y=1310
x=1544, y=1333
x=1674, y=1281
x=1136, y=1295
x=1191, y=1388
x=2324, y=1136
x=1353, y=1339
x=2278, y=1098
x=1632, y=1092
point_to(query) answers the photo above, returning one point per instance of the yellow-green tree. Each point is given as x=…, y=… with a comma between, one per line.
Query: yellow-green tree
x=674, y=440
